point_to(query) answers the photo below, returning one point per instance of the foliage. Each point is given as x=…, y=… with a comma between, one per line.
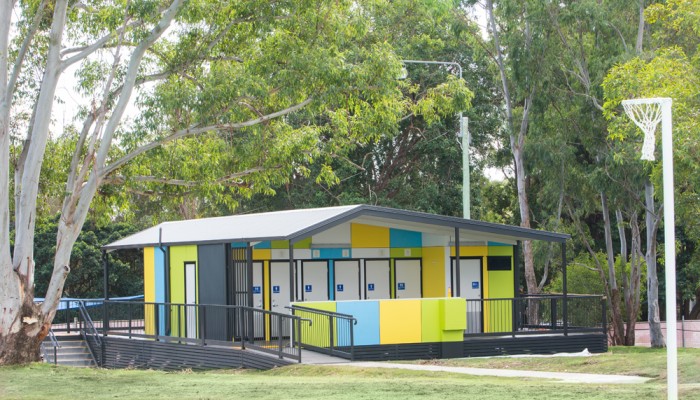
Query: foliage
x=86, y=278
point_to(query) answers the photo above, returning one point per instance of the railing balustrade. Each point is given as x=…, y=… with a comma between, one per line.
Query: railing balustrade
x=328, y=332
x=535, y=315
x=206, y=325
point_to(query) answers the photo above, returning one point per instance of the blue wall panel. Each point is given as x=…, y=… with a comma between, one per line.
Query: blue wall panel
x=366, y=312
x=402, y=238
x=331, y=254
x=159, y=261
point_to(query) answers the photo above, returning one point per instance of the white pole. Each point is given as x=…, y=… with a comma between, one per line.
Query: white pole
x=670, y=250
x=466, y=201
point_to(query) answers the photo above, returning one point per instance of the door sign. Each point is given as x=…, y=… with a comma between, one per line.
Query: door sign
x=275, y=289
x=308, y=288
x=339, y=287
x=402, y=286
x=475, y=284
x=256, y=289
x=370, y=287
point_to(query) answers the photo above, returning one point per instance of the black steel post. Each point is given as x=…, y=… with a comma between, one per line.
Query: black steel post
x=249, y=289
x=516, y=287
x=330, y=332
x=203, y=324
x=292, y=280
x=565, y=310
x=456, y=289
x=105, y=275
x=605, y=316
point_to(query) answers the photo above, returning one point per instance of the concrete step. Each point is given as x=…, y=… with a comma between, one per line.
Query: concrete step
x=71, y=352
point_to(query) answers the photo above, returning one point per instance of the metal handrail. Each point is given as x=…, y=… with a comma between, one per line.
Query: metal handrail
x=87, y=328
x=324, y=312
x=54, y=344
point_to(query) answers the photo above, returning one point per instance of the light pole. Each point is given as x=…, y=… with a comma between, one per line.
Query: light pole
x=647, y=113
x=464, y=133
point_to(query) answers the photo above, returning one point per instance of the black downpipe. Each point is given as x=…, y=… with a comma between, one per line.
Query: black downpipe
x=456, y=291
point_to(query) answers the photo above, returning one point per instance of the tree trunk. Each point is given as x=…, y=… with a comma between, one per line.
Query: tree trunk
x=615, y=297
x=652, y=221
x=22, y=343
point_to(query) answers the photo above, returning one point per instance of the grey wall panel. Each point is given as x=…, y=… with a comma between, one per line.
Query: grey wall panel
x=212, y=289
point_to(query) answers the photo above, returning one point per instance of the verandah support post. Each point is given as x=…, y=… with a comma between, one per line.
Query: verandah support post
x=292, y=280
x=516, y=287
x=105, y=284
x=456, y=289
x=249, y=289
x=565, y=306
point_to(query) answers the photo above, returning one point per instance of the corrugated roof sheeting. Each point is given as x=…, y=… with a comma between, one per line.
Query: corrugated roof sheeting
x=296, y=225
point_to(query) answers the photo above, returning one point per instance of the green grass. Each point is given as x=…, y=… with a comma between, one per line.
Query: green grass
x=41, y=381
x=620, y=360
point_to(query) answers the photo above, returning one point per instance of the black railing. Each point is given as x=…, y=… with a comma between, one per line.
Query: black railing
x=535, y=315
x=206, y=325
x=329, y=332
x=54, y=345
x=89, y=332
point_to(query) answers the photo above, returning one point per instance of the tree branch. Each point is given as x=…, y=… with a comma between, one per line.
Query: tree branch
x=199, y=130
x=31, y=32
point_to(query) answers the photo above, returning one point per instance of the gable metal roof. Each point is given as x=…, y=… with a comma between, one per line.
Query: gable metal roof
x=295, y=225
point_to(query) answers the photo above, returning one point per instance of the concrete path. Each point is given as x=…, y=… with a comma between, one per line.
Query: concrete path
x=564, y=377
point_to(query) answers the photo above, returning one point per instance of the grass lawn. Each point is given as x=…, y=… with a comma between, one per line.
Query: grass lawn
x=619, y=360
x=41, y=381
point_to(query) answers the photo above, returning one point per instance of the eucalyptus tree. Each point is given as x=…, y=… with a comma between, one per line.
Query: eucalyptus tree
x=671, y=70
x=287, y=80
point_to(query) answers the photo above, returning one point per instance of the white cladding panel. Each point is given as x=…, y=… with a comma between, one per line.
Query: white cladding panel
x=347, y=280
x=408, y=279
x=470, y=286
x=377, y=284
x=337, y=235
x=191, y=298
x=370, y=253
x=299, y=254
x=432, y=240
x=315, y=280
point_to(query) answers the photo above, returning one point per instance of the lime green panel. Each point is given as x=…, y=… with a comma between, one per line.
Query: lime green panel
x=498, y=316
x=179, y=255
x=316, y=333
x=279, y=244
x=413, y=252
x=303, y=244
x=498, y=313
x=430, y=321
x=453, y=336
x=500, y=250
x=453, y=314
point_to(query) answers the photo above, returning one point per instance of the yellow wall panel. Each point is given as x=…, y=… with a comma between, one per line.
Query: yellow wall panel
x=470, y=251
x=369, y=236
x=262, y=254
x=433, y=272
x=149, y=287
x=400, y=321
x=149, y=275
